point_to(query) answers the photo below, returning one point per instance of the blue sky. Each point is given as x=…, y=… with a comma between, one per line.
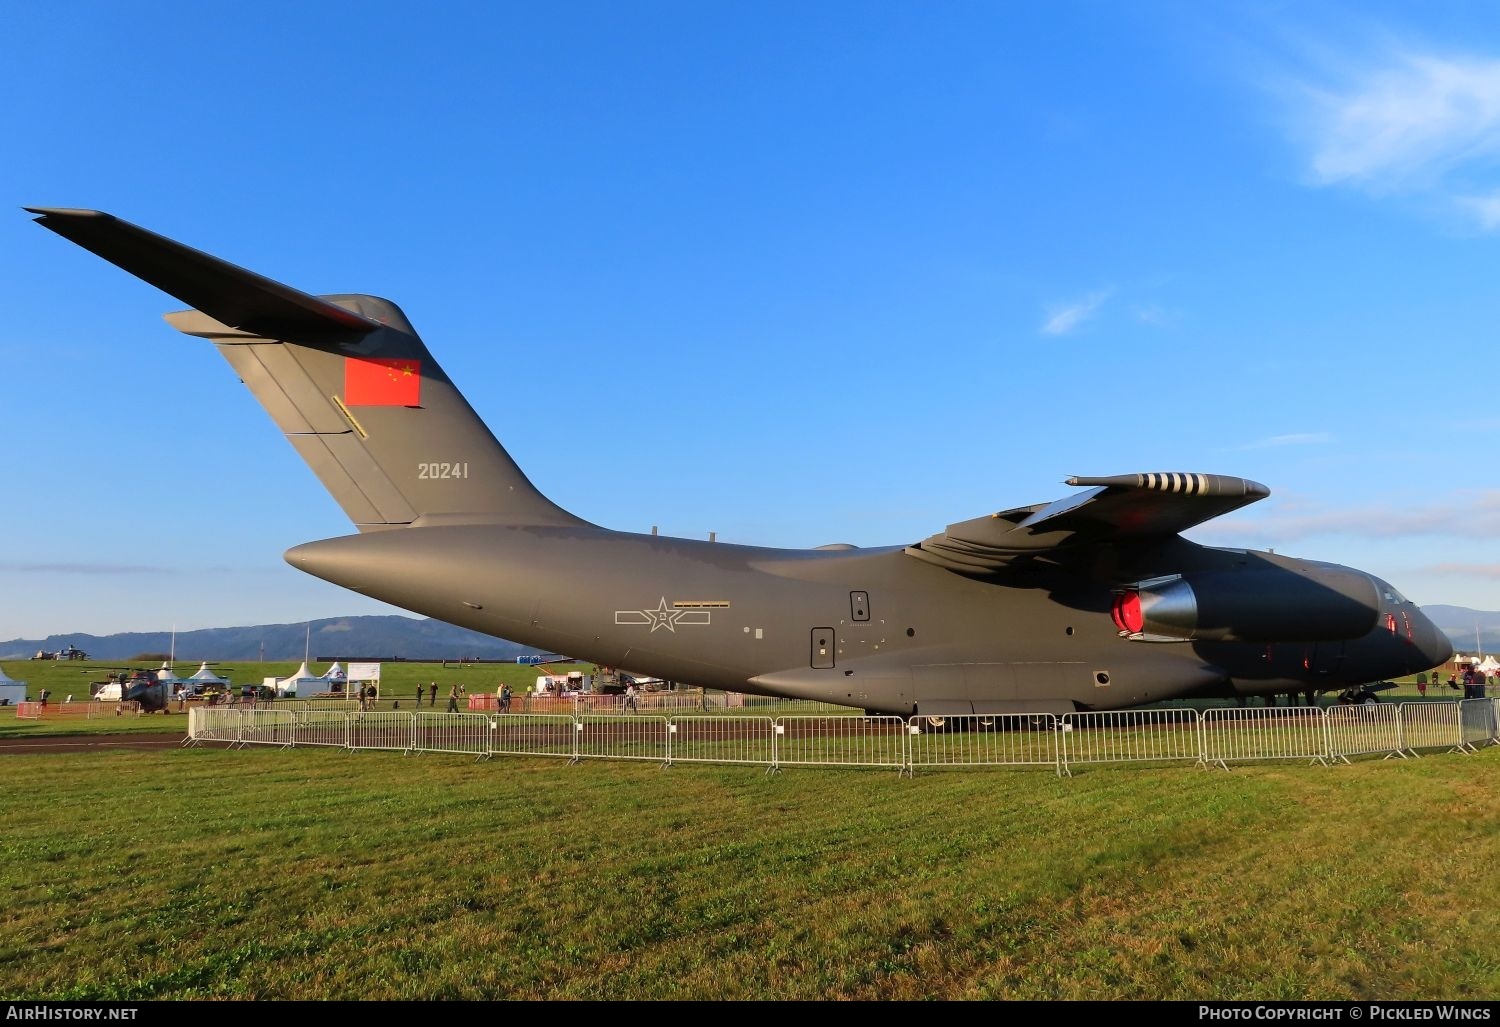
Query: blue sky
x=792, y=273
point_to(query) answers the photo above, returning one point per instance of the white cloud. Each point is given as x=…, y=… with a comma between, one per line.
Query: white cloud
x=1474, y=515
x=1485, y=209
x=1314, y=438
x=1062, y=320
x=1475, y=570
x=1155, y=316
x=1412, y=123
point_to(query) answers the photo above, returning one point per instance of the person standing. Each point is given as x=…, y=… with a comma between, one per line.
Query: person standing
x=505, y=698
x=453, y=699
x=630, y=705
x=1422, y=685
x=431, y=694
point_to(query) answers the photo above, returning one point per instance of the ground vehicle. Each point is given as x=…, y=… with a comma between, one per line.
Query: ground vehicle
x=557, y=684
x=611, y=681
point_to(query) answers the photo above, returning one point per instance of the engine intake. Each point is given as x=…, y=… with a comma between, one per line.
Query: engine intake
x=1316, y=602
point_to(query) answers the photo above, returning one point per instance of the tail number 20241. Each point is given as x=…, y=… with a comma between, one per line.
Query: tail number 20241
x=456, y=470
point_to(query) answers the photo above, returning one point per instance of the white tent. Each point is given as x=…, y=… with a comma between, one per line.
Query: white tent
x=204, y=676
x=11, y=691
x=1488, y=665
x=301, y=683
x=334, y=673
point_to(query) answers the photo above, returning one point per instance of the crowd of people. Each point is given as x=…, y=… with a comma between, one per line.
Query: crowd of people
x=1473, y=683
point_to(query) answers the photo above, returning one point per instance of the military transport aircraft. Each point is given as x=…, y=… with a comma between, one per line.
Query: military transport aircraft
x=1092, y=602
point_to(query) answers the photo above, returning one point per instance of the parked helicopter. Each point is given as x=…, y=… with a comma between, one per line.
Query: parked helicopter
x=143, y=687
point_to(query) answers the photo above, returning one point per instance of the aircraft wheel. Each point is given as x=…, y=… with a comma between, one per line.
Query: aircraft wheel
x=987, y=723
x=937, y=723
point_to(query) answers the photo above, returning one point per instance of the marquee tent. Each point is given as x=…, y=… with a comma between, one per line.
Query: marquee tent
x=300, y=683
x=11, y=691
x=204, y=676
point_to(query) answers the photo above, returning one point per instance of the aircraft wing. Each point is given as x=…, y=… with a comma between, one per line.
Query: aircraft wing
x=1122, y=507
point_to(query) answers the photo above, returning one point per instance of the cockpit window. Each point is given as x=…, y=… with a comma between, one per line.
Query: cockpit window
x=1392, y=596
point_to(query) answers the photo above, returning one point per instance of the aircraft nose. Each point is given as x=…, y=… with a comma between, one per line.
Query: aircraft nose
x=1435, y=647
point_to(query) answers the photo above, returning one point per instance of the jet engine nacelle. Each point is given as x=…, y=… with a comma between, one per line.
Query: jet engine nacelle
x=1313, y=602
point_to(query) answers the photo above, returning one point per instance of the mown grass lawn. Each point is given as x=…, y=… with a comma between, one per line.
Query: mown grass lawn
x=320, y=874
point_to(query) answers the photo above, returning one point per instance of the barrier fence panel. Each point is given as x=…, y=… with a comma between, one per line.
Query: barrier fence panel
x=709, y=739
x=983, y=741
x=28, y=711
x=1430, y=725
x=630, y=737
x=118, y=708
x=466, y=733
x=841, y=742
x=1265, y=733
x=1369, y=727
x=532, y=734
x=209, y=724
x=1120, y=736
x=266, y=727
x=386, y=730
x=1476, y=720
x=321, y=727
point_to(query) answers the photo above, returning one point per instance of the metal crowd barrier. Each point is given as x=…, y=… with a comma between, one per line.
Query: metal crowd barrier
x=716, y=739
x=967, y=740
x=1431, y=725
x=1272, y=733
x=841, y=742
x=464, y=733
x=628, y=737
x=1215, y=737
x=1476, y=723
x=1131, y=736
x=532, y=734
x=1368, y=728
x=385, y=730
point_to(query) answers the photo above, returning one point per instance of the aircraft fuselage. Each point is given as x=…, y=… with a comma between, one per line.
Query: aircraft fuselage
x=871, y=628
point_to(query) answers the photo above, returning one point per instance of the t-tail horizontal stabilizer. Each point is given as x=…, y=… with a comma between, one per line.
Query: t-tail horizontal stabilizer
x=229, y=294
x=344, y=377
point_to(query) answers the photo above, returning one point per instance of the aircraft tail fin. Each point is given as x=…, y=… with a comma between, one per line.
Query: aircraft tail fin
x=346, y=379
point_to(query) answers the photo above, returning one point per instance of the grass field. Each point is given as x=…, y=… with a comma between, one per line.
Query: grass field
x=317, y=874
x=314, y=874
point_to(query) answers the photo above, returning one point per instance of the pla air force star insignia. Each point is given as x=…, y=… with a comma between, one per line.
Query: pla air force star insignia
x=663, y=616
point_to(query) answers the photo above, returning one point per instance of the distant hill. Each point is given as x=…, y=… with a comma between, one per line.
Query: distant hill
x=376, y=637
x=1459, y=623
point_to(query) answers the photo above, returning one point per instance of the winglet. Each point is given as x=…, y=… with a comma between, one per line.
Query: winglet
x=230, y=294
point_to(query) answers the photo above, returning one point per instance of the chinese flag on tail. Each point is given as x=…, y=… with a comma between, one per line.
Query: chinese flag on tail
x=382, y=382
